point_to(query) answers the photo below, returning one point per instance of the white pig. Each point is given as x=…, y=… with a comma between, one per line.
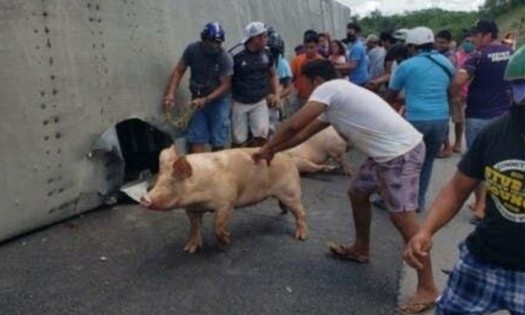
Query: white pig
x=221, y=181
x=310, y=156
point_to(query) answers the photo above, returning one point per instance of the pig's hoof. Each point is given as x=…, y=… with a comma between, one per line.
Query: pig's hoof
x=348, y=171
x=224, y=238
x=301, y=234
x=192, y=247
x=328, y=168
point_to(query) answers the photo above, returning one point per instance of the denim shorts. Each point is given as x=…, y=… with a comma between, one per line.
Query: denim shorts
x=473, y=126
x=210, y=124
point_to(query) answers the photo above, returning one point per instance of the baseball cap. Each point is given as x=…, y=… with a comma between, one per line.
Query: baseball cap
x=372, y=38
x=253, y=29
x=400, y=34
x=484, y=26
x=419, y=36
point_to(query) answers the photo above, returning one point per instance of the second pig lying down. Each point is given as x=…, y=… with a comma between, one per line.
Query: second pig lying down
x=221, y=181
x=311, y=155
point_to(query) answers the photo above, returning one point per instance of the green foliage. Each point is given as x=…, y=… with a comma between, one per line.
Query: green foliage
x=513, y=21
x=436, y=19
x=509, y=15
x=495, y=8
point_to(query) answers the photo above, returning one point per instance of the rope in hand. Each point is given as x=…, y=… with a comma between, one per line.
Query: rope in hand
x=183, y=119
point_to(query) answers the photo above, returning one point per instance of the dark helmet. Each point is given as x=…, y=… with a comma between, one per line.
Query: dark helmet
x=515, y=74
x=275, y=41
x=213, y=31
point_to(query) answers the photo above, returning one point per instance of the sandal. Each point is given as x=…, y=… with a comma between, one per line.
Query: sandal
x=340, y=252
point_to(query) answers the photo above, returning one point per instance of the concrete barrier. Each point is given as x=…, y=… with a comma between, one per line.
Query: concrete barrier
x=72, y=69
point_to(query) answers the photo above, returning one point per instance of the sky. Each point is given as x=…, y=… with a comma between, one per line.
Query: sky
x=389, y=7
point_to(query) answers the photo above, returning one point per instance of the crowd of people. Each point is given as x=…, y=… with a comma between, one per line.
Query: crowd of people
x=392, y=95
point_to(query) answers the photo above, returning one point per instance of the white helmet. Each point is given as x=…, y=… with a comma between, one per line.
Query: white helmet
x=419, y=36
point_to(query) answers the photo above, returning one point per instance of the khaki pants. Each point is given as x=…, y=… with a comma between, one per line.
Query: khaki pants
x=457, y=111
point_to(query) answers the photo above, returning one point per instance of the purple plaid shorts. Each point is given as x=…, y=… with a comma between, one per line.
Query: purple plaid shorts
x=396, y=180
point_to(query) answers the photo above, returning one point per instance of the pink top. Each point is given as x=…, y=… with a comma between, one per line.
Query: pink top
x=461, y=57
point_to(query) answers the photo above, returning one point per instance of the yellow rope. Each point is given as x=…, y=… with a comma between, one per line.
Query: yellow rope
x=183, y=119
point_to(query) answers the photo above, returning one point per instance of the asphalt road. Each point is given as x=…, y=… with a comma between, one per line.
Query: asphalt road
x=127, y=260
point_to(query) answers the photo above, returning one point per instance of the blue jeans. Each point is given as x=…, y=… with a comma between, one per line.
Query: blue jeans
x=473, y=126
x=211, y=124
x=434, y=133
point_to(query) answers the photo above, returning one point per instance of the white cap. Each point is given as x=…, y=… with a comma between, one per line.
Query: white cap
x=400, y=34
x=419, y=36
x=372, y=38
x=253, y=29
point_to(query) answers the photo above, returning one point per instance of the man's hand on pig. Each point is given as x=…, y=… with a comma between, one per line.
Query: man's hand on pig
x=264, y=153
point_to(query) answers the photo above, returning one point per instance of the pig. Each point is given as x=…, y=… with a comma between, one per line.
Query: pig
x=221, y=181
x=310, y=155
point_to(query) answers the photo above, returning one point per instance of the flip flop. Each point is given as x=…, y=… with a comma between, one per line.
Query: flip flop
x=338, y=252
x=444, y=155
x=416, y=308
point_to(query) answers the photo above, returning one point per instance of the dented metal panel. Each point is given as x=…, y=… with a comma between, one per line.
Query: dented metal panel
x=70, y=70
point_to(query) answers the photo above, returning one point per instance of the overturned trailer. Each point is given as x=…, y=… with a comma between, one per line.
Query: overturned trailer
x=80, y=79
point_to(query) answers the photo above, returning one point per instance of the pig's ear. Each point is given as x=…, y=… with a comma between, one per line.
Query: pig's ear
x=181, y=168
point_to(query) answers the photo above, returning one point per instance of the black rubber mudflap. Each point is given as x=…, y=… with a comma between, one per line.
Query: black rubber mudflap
x=141, y=144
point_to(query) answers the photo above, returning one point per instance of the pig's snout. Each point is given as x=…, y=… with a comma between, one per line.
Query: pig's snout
x=146, y=201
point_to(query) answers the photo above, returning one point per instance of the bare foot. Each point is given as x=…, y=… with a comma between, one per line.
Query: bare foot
x=443, y=154
x=456, y=148
x=348, y=253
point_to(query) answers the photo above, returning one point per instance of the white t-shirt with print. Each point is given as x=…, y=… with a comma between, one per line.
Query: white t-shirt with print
x=366, y=120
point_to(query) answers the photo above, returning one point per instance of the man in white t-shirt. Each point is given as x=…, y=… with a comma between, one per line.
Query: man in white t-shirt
x=395, y=153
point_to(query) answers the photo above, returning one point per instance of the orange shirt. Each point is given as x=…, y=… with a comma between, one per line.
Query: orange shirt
x=302, y=84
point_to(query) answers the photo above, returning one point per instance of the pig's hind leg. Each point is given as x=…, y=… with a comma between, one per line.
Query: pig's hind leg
x=306, y=166
x=339, y=157
x=195, y=241
x=284, y=208
x=292, y=202
x=222, y=221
